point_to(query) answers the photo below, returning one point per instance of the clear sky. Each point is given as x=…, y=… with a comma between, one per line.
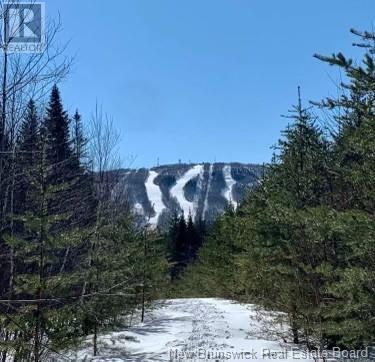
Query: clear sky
x=202, y=80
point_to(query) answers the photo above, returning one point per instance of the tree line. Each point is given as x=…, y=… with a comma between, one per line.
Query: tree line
x=303, y=241
x=71, y=261
x=183, y=240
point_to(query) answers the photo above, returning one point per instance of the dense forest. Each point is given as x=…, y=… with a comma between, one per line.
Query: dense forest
x=303, y=242
x=73, y=263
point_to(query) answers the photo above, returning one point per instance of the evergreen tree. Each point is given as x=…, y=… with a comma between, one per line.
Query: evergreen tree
x=84, y=214
x=79, y=141
x=302, y=242
x=195, y=235
x=124, y=270
x=44, y=286
x=300, y=169
x=179, y=246
x=65, y=162
x=183, y=241
x=57, y=138
x=355, y=128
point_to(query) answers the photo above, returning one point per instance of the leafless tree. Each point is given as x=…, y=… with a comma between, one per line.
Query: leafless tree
x=103, y=150
x=22, y=76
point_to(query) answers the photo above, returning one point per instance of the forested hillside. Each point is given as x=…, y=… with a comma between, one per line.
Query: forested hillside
x=203, y=190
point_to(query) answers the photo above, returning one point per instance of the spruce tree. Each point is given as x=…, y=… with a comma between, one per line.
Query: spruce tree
x=44, y=285
x=354, y=127
x=179, y=246
x=79, y=140
x=57, y=138
x=125, y=270
x=353, y=195
x=300, y=166
x=84, y=214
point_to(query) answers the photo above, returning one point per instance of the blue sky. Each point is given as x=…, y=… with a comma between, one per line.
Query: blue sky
x=202, y=80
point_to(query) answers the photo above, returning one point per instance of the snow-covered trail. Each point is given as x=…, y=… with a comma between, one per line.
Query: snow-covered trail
x=190, y=330
x=230, y=182
x=205, y=207
x=155, y=196
x=177, y=190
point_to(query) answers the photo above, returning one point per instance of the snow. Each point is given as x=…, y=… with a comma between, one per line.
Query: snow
x=205, y=207
x=177, y=190
x=138, y=209
x=228, y=192
x=192, y=330
x=155, y=196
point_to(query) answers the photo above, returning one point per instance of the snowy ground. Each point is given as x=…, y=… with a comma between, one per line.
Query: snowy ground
x=192, y=330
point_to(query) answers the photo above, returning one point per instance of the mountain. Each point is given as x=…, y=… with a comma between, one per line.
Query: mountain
x=203, y=190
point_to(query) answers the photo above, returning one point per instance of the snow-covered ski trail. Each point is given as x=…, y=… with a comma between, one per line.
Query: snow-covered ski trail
x=230, y=182
x=155, y=196
x=205, y=207
x=177, y=190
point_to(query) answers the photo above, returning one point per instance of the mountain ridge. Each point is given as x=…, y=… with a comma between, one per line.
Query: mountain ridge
x=202, y=190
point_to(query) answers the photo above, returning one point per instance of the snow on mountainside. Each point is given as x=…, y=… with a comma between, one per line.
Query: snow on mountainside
x=155, y=196
x=203, y=329
x=202, y=190
x=228, y=192
x=177, y=191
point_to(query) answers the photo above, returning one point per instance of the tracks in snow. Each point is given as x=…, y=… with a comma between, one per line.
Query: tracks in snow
x=181, y=329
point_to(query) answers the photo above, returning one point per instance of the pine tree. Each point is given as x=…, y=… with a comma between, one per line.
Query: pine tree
x=79, y=141
x=57, y=137
x=195, y=235
x=355, y=127
x=125, y=270
x=84, y=214
x=353, y=194
x=43, y=285
x=178, y=245
x=297, y=181
x=300, y=169
x=66, y=162
x=302, y=242
x=184, y=239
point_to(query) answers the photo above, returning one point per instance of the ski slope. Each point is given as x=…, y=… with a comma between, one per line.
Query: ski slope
x=155, y=197
x=202, y=329
x=230, y=182
x=205, y=206
x=177, y=191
